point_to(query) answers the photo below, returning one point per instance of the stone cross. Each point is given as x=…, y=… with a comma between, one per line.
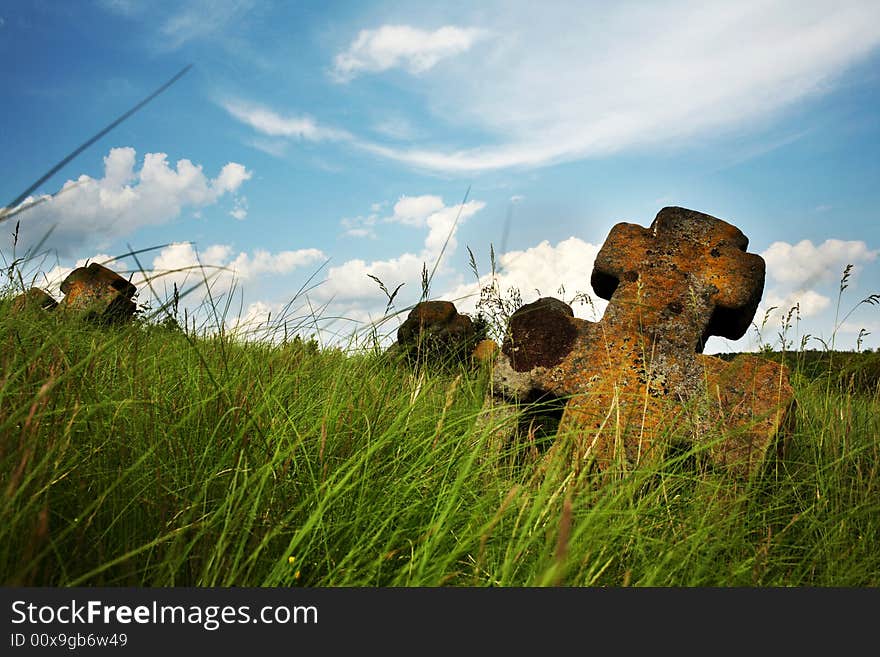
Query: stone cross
x=637, y=380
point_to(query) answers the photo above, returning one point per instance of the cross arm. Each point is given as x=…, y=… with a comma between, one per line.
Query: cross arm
x=624, y=248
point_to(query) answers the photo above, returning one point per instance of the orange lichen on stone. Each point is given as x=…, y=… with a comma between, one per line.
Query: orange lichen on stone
x=637, y=380
x=485, y=351
x=754, y=395
x=98, y=293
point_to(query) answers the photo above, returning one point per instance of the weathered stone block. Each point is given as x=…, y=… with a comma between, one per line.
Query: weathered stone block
x=33, y=298
x=435, y=330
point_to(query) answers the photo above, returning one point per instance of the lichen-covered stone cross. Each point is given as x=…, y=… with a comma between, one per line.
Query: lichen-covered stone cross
x=637, y=380
x=98, y=293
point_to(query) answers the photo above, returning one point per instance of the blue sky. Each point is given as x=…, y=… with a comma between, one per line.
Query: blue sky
x=339, y=140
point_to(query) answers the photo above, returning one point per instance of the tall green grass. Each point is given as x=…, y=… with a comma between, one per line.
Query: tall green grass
x=139, y=455
x=146, y=455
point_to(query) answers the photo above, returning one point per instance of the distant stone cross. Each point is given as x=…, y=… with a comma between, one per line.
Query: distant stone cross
x=637, y=380
x=98, y=292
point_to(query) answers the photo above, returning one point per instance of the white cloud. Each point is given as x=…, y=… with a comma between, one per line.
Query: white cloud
x=540, y=271
x=442, y=229
x=414, y=210
x=181, y=255
x=810, y=303
x=417, y=212
x=264, y=262
x=273, y=124
x=198, y=19
x=854, y=328
x=806, y=276
x=221, y=262
x=349, y=284
x=231, y=177
x=402, y=46
x=241, y=208
x=575, y=80
x=91, y=210
x=805, y=264
x=257, y=313
x=361, y=227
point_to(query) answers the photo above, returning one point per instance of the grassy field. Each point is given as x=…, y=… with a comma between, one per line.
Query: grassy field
x=138, y=455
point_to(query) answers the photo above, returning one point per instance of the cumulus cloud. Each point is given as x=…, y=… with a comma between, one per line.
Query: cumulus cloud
x=263, y=262
x=415, y=210
x=797, y=273
x=223, y=264
x=809, y=303
x=231, y=177
x=805, y=276
x=805, y=264
x=562, y=270
x=402, y=46
x=256, y=314
x=98, y=210
x=350, y=285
